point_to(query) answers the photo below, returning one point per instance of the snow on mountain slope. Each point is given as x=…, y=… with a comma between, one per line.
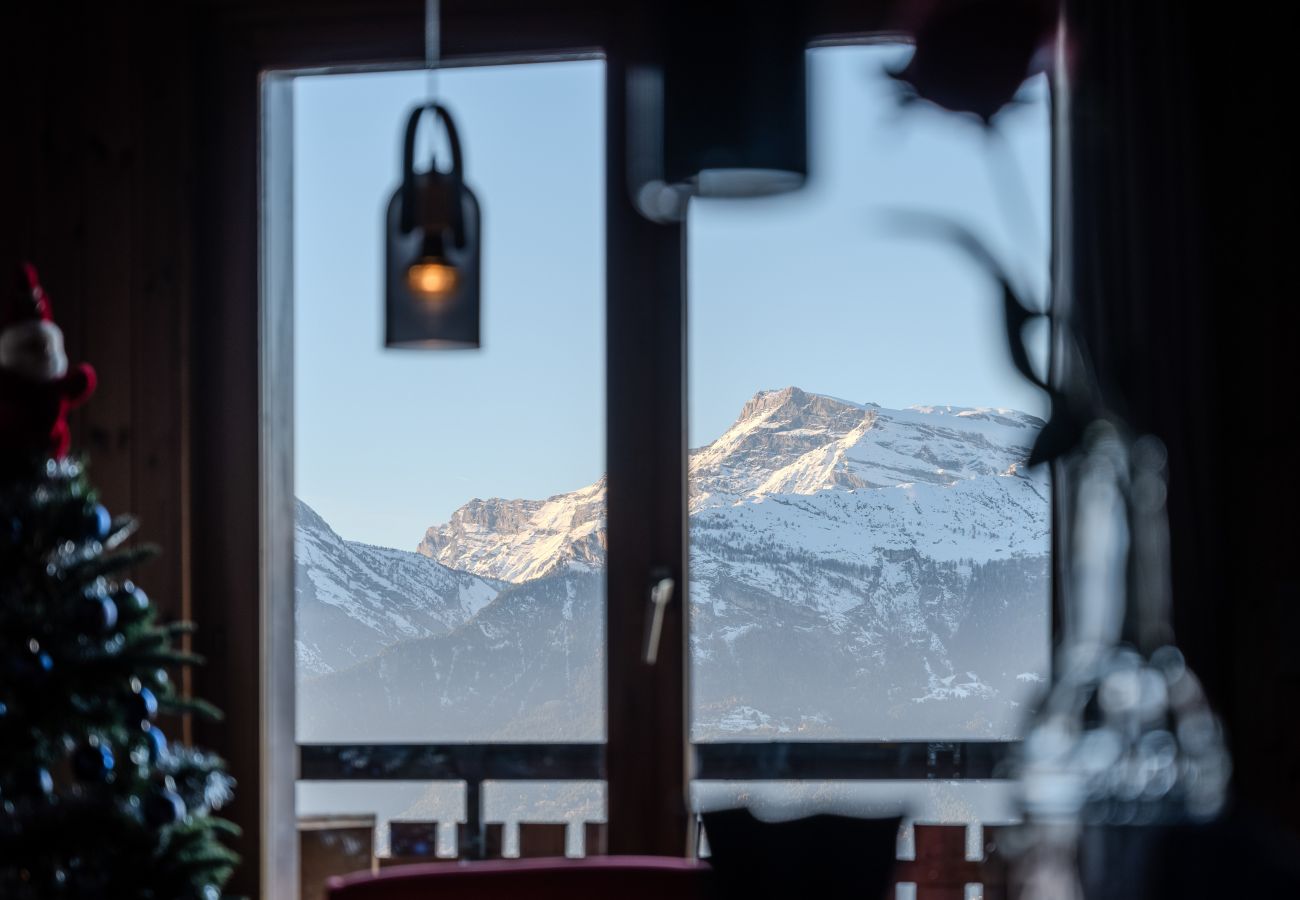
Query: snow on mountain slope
x=948, y=477
x=855, y=572
x=519, y=540
x=790, y=441
x=865, y=572
x=353, y=600
x=529, y=666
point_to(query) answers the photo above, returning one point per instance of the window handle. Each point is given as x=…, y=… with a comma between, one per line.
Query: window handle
x=661, y=593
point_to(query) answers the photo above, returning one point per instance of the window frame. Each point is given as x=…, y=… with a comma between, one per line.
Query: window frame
x=242, y=380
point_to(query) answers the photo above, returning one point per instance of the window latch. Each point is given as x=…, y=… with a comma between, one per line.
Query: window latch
x=661, y=593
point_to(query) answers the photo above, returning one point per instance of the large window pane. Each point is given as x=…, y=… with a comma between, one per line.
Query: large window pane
x=440, y=595
x=869, y=552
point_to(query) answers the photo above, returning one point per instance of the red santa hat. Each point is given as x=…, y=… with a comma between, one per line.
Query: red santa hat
x=28, y=300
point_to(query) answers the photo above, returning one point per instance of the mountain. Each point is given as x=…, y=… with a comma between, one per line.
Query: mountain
x=354, y=600
x=900, y=476
x=528, y=667
x=855, y=572
x=518, y=540
x=864, y=572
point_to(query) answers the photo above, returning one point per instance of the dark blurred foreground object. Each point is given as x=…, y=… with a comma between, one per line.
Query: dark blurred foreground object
x=1230, y=857
x=94, y=803
x=621, y=877
x=717, y=107
x=823, y=856
x=972, y=56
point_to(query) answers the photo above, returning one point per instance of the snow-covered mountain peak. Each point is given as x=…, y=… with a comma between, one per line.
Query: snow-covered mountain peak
x=795, y=408
x=791, y=441
x=786, y=443
x=519, y=540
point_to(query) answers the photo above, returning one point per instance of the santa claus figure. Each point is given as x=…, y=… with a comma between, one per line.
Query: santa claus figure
x=37, y=388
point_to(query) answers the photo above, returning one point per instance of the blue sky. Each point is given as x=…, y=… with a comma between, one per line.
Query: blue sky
x=806, y=289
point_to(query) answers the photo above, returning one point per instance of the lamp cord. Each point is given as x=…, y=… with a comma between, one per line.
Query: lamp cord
x=432, y=40
x=432, y=62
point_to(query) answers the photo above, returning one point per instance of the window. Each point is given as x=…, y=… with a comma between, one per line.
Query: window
x=440, y=595
x=869, y=554
x=868, y=559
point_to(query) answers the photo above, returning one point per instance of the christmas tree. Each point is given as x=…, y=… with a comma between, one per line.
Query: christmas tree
x=94, y=801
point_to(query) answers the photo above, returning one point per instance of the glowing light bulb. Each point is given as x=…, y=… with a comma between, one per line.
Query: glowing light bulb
x=432, y=279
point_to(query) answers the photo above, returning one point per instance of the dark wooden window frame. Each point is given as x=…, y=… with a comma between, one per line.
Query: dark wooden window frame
x=243, y=440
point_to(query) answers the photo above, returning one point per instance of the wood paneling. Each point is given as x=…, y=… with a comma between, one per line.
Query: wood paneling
x=98, y=153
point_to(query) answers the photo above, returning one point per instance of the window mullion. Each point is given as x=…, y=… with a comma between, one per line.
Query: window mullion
x=647, y=754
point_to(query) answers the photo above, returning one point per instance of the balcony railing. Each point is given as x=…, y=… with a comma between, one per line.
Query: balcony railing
x=474, y=764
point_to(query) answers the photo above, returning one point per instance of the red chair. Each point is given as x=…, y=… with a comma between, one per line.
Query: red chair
x=614, y=877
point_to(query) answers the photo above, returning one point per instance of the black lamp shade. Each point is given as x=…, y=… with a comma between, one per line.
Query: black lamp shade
x=722, y=109
x=432, y=259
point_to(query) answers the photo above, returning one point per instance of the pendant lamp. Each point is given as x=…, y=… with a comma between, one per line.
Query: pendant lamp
x=720, y=107
x=433, y=228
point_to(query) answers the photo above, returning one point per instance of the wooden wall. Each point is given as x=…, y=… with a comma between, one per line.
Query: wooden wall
x=95, y=187
x=99, y=187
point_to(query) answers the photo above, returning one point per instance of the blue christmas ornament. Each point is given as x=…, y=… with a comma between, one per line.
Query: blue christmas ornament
x=143, y=706
x=97, y=614
x=33, y=666
x=43, y=783
x=98, y=522
x=157, y=745
x=131, y=601
x=93, y=763
x=163, y=808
